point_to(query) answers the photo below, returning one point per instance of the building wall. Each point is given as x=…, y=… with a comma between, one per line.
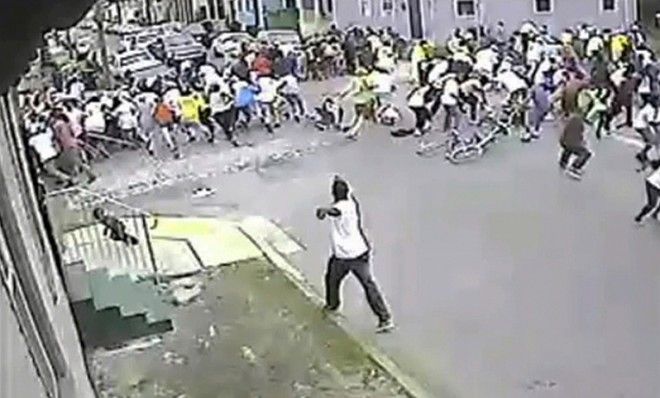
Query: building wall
x=18, y=374
x=29, y=262
x=440, y=18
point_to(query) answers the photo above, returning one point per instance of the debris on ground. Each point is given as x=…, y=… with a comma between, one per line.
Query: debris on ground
x=248, y=355
x=172, y=358
x=541, y=385
x=185, y=290
x=203, y=192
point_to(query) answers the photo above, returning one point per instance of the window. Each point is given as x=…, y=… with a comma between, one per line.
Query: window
x=465, y=8
x=608, y=5
x=543, y=6
x=387, y=6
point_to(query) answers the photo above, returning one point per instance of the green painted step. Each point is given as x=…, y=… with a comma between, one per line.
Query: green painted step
x=159, y=310
x=102, y=289
x=77, y=282
x=132, y=298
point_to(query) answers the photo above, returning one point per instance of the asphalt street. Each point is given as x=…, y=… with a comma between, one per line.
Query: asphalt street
x=506, y=278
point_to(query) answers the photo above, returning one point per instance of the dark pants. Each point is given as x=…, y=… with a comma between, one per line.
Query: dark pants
x=582, y=154
x=339, y=268
x=422, y=116
x=227, y=121
x=614, y=112
x=601, y=122
x=652, y=201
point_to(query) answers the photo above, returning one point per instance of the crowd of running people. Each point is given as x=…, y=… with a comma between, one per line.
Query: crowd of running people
x=584, y=77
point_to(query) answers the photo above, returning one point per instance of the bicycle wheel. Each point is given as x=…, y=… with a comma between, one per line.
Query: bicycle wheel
x=464, y=154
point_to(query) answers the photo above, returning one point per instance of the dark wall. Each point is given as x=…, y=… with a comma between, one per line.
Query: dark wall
x=22, y=24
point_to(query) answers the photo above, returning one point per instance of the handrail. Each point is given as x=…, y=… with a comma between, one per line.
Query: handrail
x=99, y=196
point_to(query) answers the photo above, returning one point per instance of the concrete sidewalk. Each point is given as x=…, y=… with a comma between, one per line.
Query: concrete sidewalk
x=249, y=334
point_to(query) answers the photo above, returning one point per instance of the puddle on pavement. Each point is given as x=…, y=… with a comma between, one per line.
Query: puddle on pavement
x=249, y=334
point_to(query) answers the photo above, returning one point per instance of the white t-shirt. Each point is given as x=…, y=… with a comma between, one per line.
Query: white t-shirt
x=171, y=99
x=437, y=70
x=594, y=45
x=383, y=82
x=528, y=28
x=644, y=117
x=44, y=144
x=450, y=93
x=77, y=89
x=290, y=84
x=416, y=97
x=348, y=241
x=268, y=87
x=511, y=81
x=126, y=116
x=94, y=118
x=486, y=59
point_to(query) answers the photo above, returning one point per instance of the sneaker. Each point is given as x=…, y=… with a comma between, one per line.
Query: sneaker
x=330, y=311
x=385, y=326
x=91, y=179
x=535, y=135
x=573, y=173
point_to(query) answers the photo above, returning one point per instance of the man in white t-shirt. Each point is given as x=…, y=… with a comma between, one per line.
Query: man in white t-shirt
x=652, y=194
x=350, y=253
x=43, y=144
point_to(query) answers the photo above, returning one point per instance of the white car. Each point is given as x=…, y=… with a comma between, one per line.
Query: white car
x=288, y=40
x=139, y=62
x=228, y=44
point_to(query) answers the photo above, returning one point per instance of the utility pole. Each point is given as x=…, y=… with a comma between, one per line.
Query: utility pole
x=102, y=45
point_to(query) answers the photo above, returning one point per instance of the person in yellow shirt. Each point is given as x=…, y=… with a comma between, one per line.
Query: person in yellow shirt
x=191, y=105
x=618, y=45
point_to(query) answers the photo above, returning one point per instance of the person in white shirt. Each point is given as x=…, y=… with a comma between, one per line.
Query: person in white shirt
x=44, y=146
x=146, y=107
x=642, y=123
x=486, y=59
x=594, y=46
x=126, y=114
x=266, y=99
x=290, y=90
x=350, y=253
x=76, y=89
x=450, y=101
x=94, y=120
x=652, y=194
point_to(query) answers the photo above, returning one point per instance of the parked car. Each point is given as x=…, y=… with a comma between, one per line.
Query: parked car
x=200, y=32
x=288, y=40
x=139, y=62
x=174, y=49
x=228, y=44
x=123, y=30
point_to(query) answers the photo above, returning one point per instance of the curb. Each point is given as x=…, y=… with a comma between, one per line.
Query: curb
x=409, y=385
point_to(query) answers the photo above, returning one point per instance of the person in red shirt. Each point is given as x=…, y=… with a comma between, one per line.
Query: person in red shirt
x=262, y=65
x=71, y=152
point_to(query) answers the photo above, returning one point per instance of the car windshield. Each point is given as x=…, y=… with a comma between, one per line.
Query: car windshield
x=147, y=37
x=237, y=37
x=134, y=58
x=282, y=37
x=179, y=41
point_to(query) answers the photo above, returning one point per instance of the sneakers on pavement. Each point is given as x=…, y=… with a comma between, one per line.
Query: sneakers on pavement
x=385, y=326
x=574, y=173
